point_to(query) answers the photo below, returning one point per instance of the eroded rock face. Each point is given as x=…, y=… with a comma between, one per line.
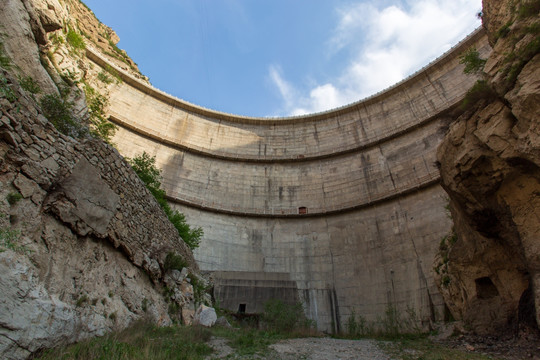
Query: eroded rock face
x=82, y=242
x=22, y=46
x=490, y=167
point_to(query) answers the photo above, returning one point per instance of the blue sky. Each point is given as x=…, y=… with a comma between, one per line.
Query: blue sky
x=283, y=57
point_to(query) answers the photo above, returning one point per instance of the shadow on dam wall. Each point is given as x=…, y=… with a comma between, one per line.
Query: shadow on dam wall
x=341, y=210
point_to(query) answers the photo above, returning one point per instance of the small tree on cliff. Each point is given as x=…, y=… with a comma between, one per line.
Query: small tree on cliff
x=145, y=167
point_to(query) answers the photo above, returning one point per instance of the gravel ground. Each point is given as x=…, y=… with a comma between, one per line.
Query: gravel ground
x=309, y=349
x=328, y=349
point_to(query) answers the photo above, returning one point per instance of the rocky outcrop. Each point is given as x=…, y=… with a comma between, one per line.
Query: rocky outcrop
x=83, y=244
x=489, y=270
x=84, y=247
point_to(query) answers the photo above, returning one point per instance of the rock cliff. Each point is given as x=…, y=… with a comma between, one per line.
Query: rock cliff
x=84, y=247
x=489, y=269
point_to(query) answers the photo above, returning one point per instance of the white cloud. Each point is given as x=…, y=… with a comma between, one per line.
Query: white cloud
x=383, y=46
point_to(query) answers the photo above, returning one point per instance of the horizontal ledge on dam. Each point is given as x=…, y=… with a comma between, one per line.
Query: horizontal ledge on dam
x=98, y=58
x=294, y=213
x=116, y=119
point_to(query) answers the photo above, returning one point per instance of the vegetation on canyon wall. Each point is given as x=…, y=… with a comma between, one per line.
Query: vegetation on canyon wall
x=145, y=167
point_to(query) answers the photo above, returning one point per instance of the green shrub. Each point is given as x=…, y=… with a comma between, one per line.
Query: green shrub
x=6, y=90
x=472, y=61
x=479, y=91
x=60, y=113
x=13, y=198
x=75, y=40
x=81, y=300
x=99, y=125
x=144, y=166
x=529, y=8
x=174, y=262
x=29, y=84
x=503, y=31
x=103, y=77
x=5, y=62
x=199, y=288
x=285, y=318
x=357, y=327
x=114, y=73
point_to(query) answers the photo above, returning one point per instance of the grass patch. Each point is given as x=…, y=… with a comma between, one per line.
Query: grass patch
x=424, y=349
x=140, y=341
x=104, y=78
x=9, y=239
x=278, y=322
x=247, y=341
x=114, y=73
x=75, y=39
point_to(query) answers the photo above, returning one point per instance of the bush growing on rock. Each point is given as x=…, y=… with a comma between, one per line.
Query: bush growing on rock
x=472, y=61
x=59, y=112
x=145, y=167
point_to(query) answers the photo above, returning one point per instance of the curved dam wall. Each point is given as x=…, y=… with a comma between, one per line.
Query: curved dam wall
x=346, y=202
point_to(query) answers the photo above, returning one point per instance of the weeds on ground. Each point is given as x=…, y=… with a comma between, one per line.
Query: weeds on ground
x=285, y=318
x=140, y=341
x=247, y=340
x=400, y=337
x=394, y=325
x=278, y=322
x=9, y=241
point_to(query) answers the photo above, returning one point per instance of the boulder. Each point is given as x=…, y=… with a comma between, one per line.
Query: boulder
x=205, y=316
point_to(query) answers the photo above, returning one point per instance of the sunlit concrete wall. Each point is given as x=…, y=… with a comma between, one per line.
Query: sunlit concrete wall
x=365, y=174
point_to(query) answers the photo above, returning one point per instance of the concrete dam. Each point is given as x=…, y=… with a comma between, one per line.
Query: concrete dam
x=341, y=210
